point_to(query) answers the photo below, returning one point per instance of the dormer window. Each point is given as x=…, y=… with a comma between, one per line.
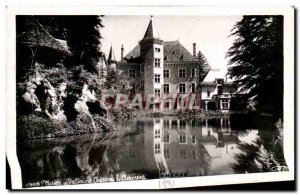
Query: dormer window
x=219, y=81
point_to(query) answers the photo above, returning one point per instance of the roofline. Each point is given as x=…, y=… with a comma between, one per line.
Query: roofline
x=178, y=61
x=172, y=41
x=213, y=83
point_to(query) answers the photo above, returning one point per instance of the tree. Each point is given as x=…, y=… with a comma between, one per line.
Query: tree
x=204, y=67
x=82, y=34
x=256, y=61
x=83, y=38
x=115, y=82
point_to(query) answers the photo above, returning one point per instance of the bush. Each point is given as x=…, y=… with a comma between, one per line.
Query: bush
x=121, y=114
x=38, y=126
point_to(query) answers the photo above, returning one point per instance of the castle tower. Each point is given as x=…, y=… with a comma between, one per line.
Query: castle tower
x=151, y=47
x=112, y=62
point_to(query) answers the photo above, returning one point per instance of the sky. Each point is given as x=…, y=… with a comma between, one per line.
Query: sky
x=210, y=33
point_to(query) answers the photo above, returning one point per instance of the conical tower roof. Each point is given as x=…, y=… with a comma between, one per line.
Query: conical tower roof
x=111, y=56
x=151, y=32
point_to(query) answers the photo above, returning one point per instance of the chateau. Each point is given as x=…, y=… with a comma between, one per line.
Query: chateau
x=167, y=68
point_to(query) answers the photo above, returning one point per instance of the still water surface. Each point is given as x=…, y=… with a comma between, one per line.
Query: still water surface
x=144, y=148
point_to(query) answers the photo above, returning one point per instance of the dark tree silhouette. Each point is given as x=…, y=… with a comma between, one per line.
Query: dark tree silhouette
x=256, y=61
x=204, y=67
x=83, y=38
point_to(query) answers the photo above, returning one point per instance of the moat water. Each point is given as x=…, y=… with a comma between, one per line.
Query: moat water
x=144, y=148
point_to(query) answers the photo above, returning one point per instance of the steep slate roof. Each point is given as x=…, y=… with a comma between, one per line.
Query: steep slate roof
x=111, y=56
x=173, y=51
x=151, y=32
x=133, y=53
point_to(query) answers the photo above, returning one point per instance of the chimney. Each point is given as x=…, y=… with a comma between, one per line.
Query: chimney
x=122, y=52
x=194, y=49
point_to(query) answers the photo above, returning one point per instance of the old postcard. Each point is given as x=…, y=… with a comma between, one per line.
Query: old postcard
x=149, y=97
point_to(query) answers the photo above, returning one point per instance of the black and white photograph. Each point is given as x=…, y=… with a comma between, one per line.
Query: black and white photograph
x=106, y=98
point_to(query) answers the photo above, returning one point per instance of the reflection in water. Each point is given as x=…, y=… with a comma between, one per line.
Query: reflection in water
x=142, y=149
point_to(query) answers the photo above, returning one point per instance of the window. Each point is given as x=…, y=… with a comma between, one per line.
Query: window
x=182, y=154
x=181, y=72
x=132, y=73
x=157, y=78
x=193, y=123
x=157, y=148
x=182, y=138
x=132, y=88
x=194, y=155
x=157, y=133
x=225, y=104
x=167, y=153
x=193, y=139
x=193, y=72
x=157, y=93
x=157, y=50
x=166, y=88
x=220, y=90
x=208, y=93
x=142, y=86
x=166, y=138
x=161, y=167
x=182, y=88
x=193, y=87
x=142, y=68
x=166, y=73
x=157, y=62
x=174, y=124
x=182, y=124
x=166, y=124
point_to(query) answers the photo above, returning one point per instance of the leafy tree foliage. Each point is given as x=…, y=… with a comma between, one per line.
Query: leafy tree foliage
x=115, y=82
x=204, y=67
x=256, y=61
x=84, y=40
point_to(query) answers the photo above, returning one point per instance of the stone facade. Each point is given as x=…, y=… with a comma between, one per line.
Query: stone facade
x=161, y=68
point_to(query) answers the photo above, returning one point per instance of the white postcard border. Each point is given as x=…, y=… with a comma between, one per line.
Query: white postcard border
x=289, y=106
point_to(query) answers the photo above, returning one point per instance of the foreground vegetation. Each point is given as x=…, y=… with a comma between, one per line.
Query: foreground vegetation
x=258, y=156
